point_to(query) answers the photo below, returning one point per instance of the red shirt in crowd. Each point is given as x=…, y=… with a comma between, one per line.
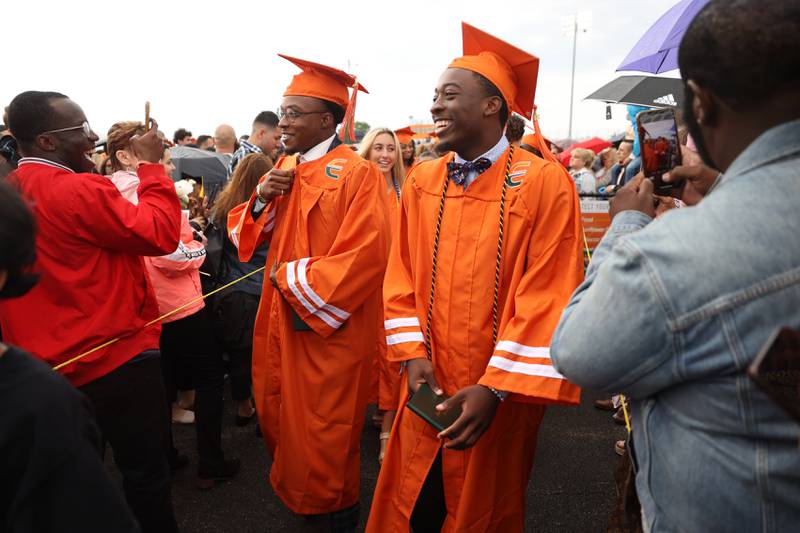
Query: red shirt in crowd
x=93, y=285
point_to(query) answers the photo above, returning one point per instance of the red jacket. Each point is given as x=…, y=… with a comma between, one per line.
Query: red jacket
x=93, y=286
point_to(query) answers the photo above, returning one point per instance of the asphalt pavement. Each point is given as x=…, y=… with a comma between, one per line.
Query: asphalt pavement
x=571, y=489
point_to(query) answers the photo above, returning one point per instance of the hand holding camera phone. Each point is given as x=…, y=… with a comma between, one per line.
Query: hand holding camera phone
x=660, y=149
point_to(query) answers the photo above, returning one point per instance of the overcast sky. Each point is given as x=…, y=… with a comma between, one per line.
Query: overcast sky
x=204, y=63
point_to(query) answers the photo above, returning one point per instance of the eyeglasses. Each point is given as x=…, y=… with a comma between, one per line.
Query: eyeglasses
x=291, y=115
x=85, y=127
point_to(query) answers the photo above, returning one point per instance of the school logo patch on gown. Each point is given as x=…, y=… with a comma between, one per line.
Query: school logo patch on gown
x=334, y=169
x=517, y=171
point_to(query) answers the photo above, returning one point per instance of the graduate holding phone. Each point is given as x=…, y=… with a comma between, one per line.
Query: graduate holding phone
x=485, y=255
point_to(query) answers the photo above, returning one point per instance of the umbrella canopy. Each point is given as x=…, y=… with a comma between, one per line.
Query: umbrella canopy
x=649, y=91
x=616, y=139
x=208, y=168
x=595, y=144
x=657, y=50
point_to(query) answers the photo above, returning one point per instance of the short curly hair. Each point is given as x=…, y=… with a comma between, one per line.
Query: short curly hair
x=744, y=51
x=119, y=138
x=491, y=90
x=515, y=128
x=31, y=113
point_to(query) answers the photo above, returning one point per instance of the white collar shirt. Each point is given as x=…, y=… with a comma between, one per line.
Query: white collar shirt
x=314, y=153
x=493, y=154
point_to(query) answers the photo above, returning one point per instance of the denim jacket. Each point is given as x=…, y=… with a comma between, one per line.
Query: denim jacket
x=671, y=313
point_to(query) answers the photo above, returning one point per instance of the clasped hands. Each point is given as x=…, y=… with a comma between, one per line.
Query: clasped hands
x=478, y=406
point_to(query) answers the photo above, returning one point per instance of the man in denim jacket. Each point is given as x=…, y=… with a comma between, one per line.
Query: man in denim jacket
x=698, y=292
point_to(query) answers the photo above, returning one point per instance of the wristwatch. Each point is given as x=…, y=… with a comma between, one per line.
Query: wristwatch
x=258, y=193
x=501, y=395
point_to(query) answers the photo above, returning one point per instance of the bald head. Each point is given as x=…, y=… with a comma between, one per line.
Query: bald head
x=225, y=139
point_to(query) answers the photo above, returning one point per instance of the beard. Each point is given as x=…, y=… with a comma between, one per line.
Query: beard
x=694, y=129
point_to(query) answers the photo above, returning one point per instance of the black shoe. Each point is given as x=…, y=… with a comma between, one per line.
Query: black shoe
x=242, y=421
x=605, y=405
x=346, y=520
x=227, y=471
x=177, y=461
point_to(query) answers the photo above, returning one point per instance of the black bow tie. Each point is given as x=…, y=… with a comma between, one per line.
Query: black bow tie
x=458, y=171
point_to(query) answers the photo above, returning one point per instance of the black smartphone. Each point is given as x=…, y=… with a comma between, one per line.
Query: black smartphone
x=776, y=370
x=659, y=148
x=298, y=324
x=424, y=403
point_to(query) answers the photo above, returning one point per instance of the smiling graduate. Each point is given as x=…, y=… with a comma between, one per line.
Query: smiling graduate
x=321, y=210
x=485, y=257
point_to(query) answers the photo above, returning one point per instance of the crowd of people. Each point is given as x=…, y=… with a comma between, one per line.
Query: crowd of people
x=444, y=282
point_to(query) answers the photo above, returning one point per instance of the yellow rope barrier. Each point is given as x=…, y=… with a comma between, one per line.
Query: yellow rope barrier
x=624, y=403
x=586, y=244
x=159, y=319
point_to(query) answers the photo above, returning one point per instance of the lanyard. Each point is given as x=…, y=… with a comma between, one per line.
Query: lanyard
x=496, y=295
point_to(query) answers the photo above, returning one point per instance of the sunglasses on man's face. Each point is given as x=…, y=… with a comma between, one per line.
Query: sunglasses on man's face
x=87, y=130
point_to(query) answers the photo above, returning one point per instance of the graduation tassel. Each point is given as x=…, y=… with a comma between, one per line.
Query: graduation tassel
x=347, y=133
x=547, y=154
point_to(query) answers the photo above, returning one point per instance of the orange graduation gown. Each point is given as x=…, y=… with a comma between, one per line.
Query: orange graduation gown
x=542, y=265
x=315, y=336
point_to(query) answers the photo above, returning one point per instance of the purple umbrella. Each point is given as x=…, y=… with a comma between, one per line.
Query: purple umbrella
x=657, y=50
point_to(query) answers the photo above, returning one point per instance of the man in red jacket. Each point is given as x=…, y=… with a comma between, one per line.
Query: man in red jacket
x=93, y=286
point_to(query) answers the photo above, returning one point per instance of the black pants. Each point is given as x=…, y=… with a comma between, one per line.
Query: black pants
x=234, y=318
x=429, y=511
x=190, y=342
x=129, y=406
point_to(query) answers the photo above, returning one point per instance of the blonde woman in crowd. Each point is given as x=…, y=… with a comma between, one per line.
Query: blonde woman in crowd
x=381, y=147
x=580, y=163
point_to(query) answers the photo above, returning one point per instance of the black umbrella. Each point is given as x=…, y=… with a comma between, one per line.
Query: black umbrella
x=208, y=168
x=648, y=91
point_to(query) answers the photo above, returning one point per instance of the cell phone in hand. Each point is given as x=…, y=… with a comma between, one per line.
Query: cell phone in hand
x=424, y=403
x=660, y=149
x=776, y=370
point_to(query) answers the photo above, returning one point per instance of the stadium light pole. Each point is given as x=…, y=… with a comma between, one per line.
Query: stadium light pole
x=573, y=24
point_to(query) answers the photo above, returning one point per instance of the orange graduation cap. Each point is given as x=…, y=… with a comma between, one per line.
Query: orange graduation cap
x=321, y=81
x=327, y=83
x=405, y=135
x=511, y=70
